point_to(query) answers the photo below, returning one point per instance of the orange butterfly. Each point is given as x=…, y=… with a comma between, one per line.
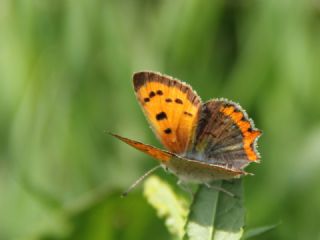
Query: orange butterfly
x=207, y=141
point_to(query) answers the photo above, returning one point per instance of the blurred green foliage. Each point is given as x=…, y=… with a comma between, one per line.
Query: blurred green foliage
x=65, y=77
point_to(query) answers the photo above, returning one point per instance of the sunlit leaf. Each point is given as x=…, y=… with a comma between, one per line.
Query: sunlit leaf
x=215, y=215
x=167, y=203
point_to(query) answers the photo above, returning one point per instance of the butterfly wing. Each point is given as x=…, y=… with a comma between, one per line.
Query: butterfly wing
x=170, y=106
x=186, y=169
x=215, y=140
x=161, y=155
x=190, y=170
x=225, y=135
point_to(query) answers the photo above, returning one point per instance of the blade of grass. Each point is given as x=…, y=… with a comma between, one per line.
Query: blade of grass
x=259, y=230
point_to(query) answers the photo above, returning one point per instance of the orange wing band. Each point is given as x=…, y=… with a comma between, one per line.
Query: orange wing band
x=156, y=153
x=249, y=134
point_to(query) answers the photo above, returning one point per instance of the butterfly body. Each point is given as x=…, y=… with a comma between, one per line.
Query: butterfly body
x=205, y=141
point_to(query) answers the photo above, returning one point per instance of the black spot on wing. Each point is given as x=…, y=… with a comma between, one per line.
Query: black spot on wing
x=146, y=99
x=152, y=94
x=168, y=131
x=168, y=100
x=159, y=92
x=188, y=114
x=178, y=100
x=160, y=116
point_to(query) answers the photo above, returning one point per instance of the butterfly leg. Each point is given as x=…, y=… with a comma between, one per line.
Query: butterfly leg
x=124, y=194
x=221, y=190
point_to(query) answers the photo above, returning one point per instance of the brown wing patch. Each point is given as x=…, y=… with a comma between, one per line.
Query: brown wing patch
x=249, y=135
x=224, y=136
x=170, y=106
x=156, y=153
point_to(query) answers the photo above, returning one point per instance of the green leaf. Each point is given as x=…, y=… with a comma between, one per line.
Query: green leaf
x=168, y=205
x=215, y=215
x=259, y=230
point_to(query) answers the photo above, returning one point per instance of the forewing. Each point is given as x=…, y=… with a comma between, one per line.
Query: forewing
x=225, y=135
x=162, y=156
x=170, y=106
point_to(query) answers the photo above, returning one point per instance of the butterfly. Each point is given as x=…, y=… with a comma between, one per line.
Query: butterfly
x=204, y=142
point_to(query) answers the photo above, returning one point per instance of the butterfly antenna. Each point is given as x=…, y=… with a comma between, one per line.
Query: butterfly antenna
x=139, y=180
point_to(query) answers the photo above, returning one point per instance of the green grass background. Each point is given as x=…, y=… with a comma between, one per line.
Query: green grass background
x=65, y=78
